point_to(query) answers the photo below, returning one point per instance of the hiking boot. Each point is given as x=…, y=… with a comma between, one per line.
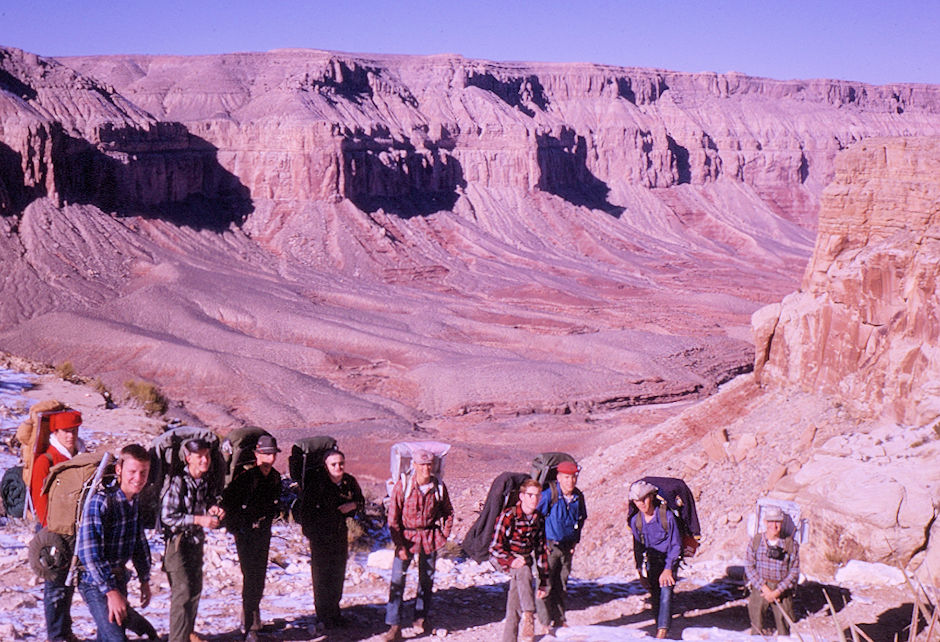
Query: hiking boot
x=251, y=636
x=661, y=633
x=394, y=634
x=195, y=637
x=528, y=626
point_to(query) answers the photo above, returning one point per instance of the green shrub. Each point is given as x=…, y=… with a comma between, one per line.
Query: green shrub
x=147, y=395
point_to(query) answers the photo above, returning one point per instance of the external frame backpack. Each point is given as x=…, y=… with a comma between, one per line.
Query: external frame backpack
x=794, y=524
x=401, y=456
x=69, y=484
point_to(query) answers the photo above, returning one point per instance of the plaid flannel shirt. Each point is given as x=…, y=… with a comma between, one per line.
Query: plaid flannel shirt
x=110, y=535
x=521, y=535
x=185, y=498
x=420, y=523
x=760, y=568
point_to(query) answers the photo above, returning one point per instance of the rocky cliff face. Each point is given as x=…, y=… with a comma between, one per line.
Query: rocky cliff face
x=410, y=238
x=863, y=332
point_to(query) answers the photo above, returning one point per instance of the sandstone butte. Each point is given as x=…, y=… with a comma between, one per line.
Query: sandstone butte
x=370, y=245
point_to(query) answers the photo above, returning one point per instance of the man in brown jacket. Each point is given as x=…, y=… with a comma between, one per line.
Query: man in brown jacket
x=420, y=518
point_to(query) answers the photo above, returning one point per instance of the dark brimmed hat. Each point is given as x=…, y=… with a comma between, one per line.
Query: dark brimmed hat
x=267, y=445
x=196, y=444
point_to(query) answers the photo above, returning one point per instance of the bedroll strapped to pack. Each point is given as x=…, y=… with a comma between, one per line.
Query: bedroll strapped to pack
x=33, y=436
x=674, y=495
x=504, y=491
x=400, y=466
x=238, y=450
x=794, y=524
x=167, y=461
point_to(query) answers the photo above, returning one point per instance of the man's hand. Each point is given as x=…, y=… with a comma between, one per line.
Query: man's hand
x=145, y=594
x=403, y=554
x=541, y=594
x=769, y=594
x=517, y=562
x=117, y=607
x=667, y=578
x=347, y=508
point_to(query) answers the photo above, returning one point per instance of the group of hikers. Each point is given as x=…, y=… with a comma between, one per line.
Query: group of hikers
x=533, y=540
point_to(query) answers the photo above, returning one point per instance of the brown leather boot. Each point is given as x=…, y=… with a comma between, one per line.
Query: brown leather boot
x=528, y=626
x=394, y=634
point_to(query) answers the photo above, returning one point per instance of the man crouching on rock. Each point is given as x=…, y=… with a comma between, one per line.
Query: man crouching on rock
x=519, y=541
x=420, y=518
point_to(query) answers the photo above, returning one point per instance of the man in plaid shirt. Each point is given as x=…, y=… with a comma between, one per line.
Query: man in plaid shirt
x=772, y=567
x=109, y=536
x=420, y=518
x=519, y=541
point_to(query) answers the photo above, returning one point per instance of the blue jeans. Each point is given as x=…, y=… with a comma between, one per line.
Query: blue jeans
x=57, y=605
x=660, y=596
x=98, y=605
x=396, y=589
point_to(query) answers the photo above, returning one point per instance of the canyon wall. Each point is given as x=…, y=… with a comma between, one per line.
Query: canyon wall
x=863, y=332
x=307, y=237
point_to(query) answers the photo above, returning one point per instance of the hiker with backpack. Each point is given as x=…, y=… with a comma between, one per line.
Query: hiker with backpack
x=63, y=445
x=329, y=497
x=518, y=544
x=110, y=534
x=772, y=567
x=188, y=508
x=565, y=511
x=420, y=519
x=251, y=502
x=657, y=547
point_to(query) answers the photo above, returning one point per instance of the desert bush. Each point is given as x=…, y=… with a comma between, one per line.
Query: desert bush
x=147, y=395
x=65, y=370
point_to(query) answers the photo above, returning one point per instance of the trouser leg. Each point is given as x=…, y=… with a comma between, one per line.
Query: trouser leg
x=182, y=562
x=664, y=612
x=57, y=607
x=784, y=604
x=425, y=584
x=756, y=607
x=513, y=610
x=253, y=547
x=551, y=607
x=396, y=591
x=97, y=603
x=328, y=569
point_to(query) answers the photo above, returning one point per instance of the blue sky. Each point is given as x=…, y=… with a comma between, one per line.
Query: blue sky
x=870, y=41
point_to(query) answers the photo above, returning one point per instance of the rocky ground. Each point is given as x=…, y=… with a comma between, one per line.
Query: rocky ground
x=607, y=603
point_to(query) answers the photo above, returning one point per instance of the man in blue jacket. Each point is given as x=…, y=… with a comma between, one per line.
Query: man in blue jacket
x=656, y=548
x=562, y=504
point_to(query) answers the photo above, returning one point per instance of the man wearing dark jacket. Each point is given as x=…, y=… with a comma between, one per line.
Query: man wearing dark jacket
x=251, y=502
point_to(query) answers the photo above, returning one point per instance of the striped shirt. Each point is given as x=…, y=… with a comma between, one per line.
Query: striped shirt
x=110, y=535
x=521, y=535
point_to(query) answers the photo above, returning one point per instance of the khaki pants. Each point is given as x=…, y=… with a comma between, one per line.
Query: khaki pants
x=757, y=607
x=182, y=562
